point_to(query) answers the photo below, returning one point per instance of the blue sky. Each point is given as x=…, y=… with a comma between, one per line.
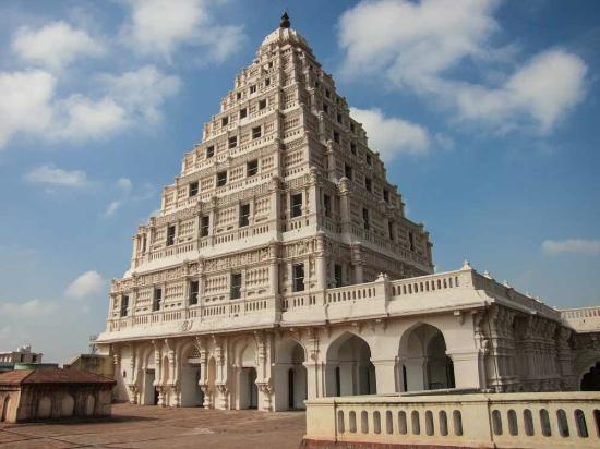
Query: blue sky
x=486, y=114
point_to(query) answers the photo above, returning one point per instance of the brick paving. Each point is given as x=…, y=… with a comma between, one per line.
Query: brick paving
x=134, y=426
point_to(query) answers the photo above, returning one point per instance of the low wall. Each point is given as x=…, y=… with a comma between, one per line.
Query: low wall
x=499, y=420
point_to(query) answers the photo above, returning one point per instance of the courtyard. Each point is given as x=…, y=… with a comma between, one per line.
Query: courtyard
x=135, y=426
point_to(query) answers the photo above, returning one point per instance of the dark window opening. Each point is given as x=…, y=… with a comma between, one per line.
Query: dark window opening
x=235, y=291
x=327, y=205
x=221, y=178
x=204, y=227
x=339, y=117
x=391, y=230
x=327, y=94
x=244, y=215
x=224, y=121
x=194, y=291
x=368, y=184
x=338, y=276
x=252, y=167
x=233, y=142
x=267, y=81
x=369, y=160
x=411, y=240
x=352, y=127
x=262, y=104
x=296, y=205
x=210, y=151
x=366, y=222
x=156, y=300
x=239, y=95
x=298, y=277
x=353, y=148
x=194, y=188
x=386, y=196
x=256, y=132
x=325, y=108
x=124, y=305
x=243, y=113
x=270, y=64
x=252, y=89
x=336, y=137
x=171, y=230
x=348, y=171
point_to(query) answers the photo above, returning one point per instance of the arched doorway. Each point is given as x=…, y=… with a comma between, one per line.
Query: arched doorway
x=247, y=389
x=66, y=406
x=149, y=390
x=423, y=360
x=190, y=378
x=290, y=376
x=591, y=380
x=5, y=404
x=349, y=370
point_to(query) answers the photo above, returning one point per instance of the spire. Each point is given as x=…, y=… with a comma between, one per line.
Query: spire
x=285, y=20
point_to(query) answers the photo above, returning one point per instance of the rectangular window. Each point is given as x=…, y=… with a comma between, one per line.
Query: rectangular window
x=252, y=167
x=204, y=226
x=338, y=275
x=124, y=305
x=325, y=108
x=156, y=300
x=262, y=104
x=327, y=205
x=210, y=151
x=221, y=178
x=233, y=142
x=244, y=215
x=336, y=137
x=352, y=127
x=411, y=240
x=243, y=113
x=353, y=148
x=270, y=64
x=194, y=187
x=366, y=222
x=171, y=235
x=235, y=291
x=298, y=277
x=296, y=205
x=194, y=291
x=239, y=95
x=391, y=230
x=348, y=171
x=368, y=185
x=224, y=121
x=369, y=160
x=267, y=81
x=339, y=117
x=252, y=90
x=327, y=94
x=256, y=132
x=386, y=196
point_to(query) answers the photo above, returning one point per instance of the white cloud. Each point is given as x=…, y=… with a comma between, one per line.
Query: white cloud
x=89, y=283
x=125, y=185
x=31, y=308
x=392, y=136
x=142, y=92
x=55, y=45
x=418, y=44
x=50, y=175
x=545, y=89
x=80, y=118
x=25, y=103
x=112, y=208
x=162, y=26
x=571, y=246
x=29, y=105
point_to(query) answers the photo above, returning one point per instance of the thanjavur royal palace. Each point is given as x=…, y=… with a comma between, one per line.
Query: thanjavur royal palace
x=282, y=268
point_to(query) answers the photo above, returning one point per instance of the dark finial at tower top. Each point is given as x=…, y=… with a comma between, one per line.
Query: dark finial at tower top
x=285, y=20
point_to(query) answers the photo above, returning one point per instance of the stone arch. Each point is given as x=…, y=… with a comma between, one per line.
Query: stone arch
x=290, y=375
x=149, y=375
x=590, y=381
x=245, y=356
x=44, y=407
x=349, y=370
x=67, y=405
x=90, y=405
x=423, y=361
x=190, y=376
x=5, y=405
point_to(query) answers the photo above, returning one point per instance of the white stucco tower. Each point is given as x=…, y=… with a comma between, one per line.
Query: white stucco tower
x=282, y=266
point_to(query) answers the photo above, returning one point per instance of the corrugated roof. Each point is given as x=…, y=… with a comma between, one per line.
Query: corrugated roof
x=52, y=376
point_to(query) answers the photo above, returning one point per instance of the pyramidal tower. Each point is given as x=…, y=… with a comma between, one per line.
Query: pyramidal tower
x=278, y=250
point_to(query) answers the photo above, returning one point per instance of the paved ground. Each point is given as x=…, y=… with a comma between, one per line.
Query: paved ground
x=134, y=426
